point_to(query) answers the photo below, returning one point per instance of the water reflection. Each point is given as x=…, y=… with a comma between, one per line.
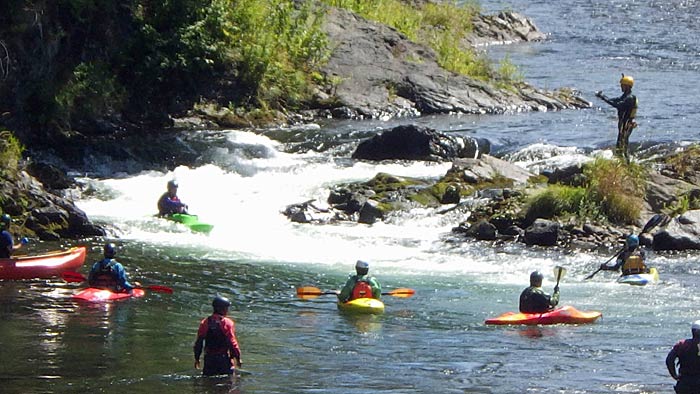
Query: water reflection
x=363, y=323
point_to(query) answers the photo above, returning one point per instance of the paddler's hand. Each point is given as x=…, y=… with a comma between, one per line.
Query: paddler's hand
x=24, y=240
x=196, y=364
x=238, y=362
x=603, y=266
x=556, y=288
x=599, y=93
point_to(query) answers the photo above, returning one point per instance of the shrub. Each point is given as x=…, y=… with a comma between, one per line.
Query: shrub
x=613, y=191
x=617, y=188
x=10, y=152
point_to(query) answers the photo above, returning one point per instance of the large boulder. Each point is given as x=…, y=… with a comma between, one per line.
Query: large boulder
x=542, y=232
x=681, y=233
x=412, y=142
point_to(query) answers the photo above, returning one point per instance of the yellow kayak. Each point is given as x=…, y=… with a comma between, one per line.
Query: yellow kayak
x=362, y=305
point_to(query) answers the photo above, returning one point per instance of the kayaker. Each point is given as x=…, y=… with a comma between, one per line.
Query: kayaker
x=631, y=260
x=217, y=336
x=169, y=203
x=626, y=106
x=360, y=285
x=7, y=244
x=686, y=351
x=109, y=274
x=534, y=299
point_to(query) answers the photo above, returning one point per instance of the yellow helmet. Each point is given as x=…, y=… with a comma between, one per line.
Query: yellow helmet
x=627, y=80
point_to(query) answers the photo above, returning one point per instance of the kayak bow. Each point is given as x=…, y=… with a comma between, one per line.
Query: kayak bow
x=362, y=305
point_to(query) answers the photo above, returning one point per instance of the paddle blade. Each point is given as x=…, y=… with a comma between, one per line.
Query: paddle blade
x=655, y=221
x=559, y=272
x=160, y=289
x=401, y=293
x=309, y=292
x=73, y=277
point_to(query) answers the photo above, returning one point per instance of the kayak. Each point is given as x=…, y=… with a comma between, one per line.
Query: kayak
x=192, y=222
x=563, y=315
x=362, y=305
x=640, y=279
x=45, y=265
x=92, y=294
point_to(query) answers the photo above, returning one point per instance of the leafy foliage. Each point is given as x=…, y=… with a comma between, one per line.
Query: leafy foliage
x=10, y=153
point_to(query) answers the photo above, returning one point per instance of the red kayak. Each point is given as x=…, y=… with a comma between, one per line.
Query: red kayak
x=563, y=315
x=42, y=266
x=92, y=294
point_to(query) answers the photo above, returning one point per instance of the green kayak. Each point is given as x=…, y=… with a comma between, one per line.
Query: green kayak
x=192, y=222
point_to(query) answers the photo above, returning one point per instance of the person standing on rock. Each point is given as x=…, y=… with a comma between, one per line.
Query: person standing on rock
x=687, y=352
x=169, y=203
x=626, y=106
x=534, y=299
x=7, y=244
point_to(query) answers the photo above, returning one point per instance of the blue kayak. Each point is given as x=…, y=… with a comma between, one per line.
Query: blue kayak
x=640, y=279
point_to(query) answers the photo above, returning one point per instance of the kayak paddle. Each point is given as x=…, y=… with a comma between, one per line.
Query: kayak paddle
x=653, y=222
x=559, y=273
x=309, y=292
x=77, y=277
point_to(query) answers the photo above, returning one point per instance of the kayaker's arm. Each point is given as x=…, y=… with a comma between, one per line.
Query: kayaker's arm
x=671, y=363
x=199, y=342
x=229, y=328
x=344, y=295
x=376, y=288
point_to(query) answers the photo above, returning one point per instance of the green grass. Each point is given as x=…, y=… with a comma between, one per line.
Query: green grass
x=613, y=191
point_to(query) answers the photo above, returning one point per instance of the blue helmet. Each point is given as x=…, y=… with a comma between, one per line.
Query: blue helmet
x=632, y=241
x=5, y=219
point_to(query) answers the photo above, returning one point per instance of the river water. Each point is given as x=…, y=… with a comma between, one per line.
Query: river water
x=434, y=342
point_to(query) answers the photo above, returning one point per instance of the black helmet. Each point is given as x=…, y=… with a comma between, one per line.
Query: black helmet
x=536, y=278
x=110, y=250
x=172, y=183
x=5, y=218
x=220, y=303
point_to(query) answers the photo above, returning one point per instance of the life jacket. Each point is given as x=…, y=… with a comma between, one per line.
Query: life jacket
x=215, y=340
x=105, y=277
x=362, y=289
x=634, y=264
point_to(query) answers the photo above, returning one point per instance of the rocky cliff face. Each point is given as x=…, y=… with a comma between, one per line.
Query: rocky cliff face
x=382, y=74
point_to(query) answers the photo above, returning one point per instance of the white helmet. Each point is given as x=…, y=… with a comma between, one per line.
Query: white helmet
x=695, y=326
x=362, y=264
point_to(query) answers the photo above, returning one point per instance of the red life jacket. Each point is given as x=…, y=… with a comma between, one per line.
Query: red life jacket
x=362, y=289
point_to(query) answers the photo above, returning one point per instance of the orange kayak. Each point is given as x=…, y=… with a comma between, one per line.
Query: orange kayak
x=563, y=315
x=43, y=265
